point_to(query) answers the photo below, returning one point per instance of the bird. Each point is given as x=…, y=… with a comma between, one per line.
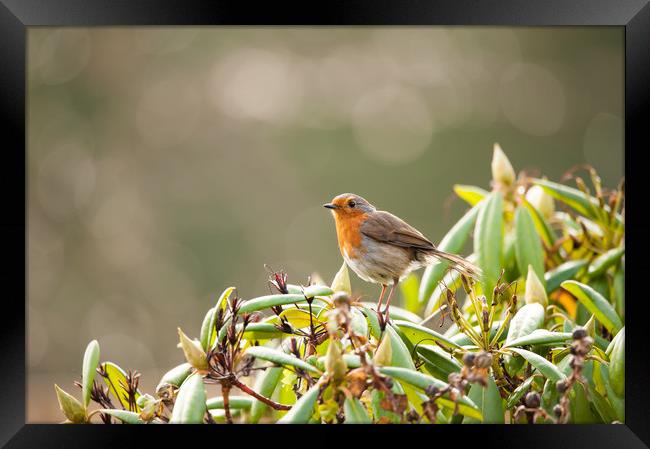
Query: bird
x=382, y=248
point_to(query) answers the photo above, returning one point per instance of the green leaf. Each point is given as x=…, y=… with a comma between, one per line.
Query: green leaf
x=441, y=362
x=261, y=331
x=541, y=226
x=176, y=376
x=574, y=198
x=540, y=337
x=207, y=328
x=401, y=356
x=489, y=402
x=619, y=290
x=509, y=256
x=580, y=409
x=318, y=290
x=561, y=273
x=266, y=302
x=384, y=353
x=409, y=289
x=303, y=409
x=421, y=381
x=234, y=402
x=471, y=194
x=416, y=334
x=70, y=406
x=488, y=240
x=616, y=352
x=543, y=366
x=280, y=358
x=123, y=415
x=519, y=392
x=265, y=385
x=219, y=415
x=527, y=319
x=378, y=412
x=528, y=247
x=90, y=362
x=222, y=302
x=602, y=406
x=299, y=318
x=359, y=323
x=618, y=403
x=351, y=361
x=601, y=263
x=595, y=303
x=355, y=412
x=373, y=322
x=396, y=313
x=190, y=406
x=550, y=396
x=116, y=382
x=452, y=242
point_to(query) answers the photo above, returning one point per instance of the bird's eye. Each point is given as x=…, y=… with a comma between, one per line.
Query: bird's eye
x=352, y=203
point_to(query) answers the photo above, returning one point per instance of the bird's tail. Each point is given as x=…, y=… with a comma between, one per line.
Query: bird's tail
x=459, y=263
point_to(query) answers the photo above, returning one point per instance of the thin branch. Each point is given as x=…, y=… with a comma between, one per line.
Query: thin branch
x=246, y=389
x=225, y=392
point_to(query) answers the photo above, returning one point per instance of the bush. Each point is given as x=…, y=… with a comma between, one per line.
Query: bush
x=538, y=339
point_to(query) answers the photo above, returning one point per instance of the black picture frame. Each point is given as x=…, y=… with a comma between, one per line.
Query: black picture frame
x=16, y=15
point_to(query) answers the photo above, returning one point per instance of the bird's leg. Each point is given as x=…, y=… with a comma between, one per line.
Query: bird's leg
x=381, y=296
x=390, y=295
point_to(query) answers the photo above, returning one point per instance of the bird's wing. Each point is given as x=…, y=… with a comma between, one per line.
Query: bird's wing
x=386, y=227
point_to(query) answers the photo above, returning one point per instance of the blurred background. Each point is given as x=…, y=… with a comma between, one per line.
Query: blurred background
x=166, y=164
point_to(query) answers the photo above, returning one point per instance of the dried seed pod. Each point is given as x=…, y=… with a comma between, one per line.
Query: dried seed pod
x=532, y=400
x=469, y=358
x=412, y=416
x=357, y=381
x=483, y=360
x=432, y=390
x=341, y=299
x=579, y=334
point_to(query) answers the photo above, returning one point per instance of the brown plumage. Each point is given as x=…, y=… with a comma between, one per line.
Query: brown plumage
x=386, y=227
x=382, y=248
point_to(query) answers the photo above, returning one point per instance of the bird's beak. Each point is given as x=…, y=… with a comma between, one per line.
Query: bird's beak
x=330, y=206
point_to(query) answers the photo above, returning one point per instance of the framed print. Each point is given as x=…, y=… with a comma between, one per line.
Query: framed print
x=349, y=213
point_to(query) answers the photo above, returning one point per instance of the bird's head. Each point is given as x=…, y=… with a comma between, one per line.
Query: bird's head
x=349, y=205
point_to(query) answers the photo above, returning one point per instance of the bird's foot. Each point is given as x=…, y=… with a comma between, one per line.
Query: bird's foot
x=383, y=318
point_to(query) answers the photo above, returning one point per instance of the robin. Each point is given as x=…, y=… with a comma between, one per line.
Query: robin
x=382, y=248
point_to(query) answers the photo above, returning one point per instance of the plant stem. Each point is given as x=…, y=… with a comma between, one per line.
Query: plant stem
x=246, y=389
x=225, y=392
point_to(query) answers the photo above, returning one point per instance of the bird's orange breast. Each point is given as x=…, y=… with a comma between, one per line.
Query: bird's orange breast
x=348, y=231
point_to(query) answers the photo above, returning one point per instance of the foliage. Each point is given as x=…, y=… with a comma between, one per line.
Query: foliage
x=539, y=338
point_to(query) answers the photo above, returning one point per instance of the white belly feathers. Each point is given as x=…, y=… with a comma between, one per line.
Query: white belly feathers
x=381, y=263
